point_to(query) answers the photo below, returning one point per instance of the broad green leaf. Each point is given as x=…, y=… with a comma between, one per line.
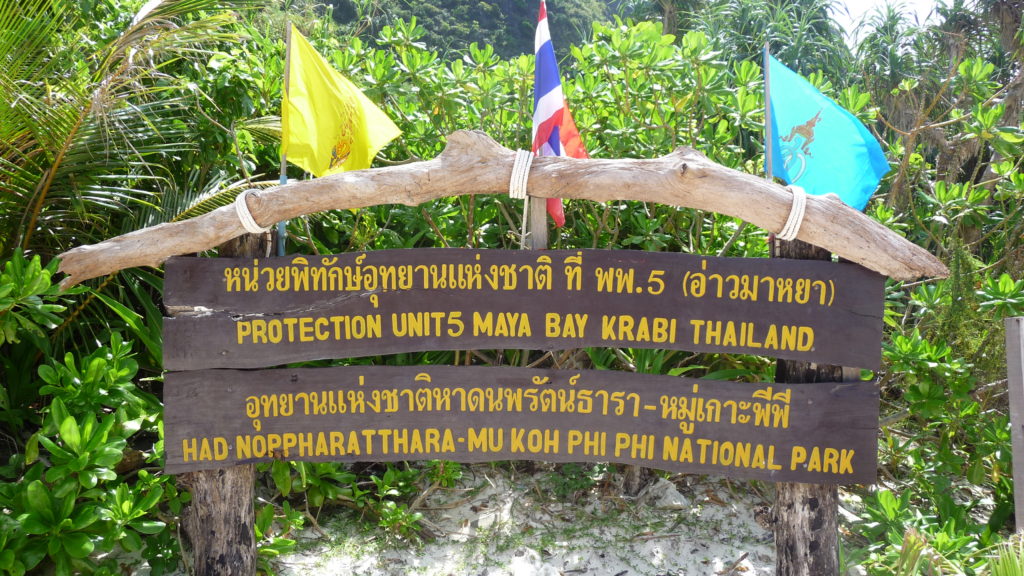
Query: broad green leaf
x=48, y=374
x=150, y=499
x=282, y=474
x=135, y=322
x=6, y=559
x=32, y=523
x=148, y=526
x=71, y=434
x=79, y=463
x=40, y=501
x=33, y=553
x=78, y=544
x=1012, y=136
x=88, y=478
x=131, y=541
x=32, y=449
x=58, y=411
x=84, y=516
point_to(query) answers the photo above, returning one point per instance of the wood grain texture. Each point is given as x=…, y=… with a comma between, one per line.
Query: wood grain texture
x=218, y=522
x=807, y=515
x=473, y=163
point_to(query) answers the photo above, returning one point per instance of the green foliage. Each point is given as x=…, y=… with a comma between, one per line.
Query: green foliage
x=1002, y=296
x=59, y=525
x=74, y=503
x=1009, y=559
x=443, y=473
x=65, y=502
x=955, y=496
x=29, y=308
x=506, y=25
x=129, y=510
x=385, y=497
x=571, y=481
x=94, y=147
x=81, y=157
x=932, y=376
x=27, y=299
x=394, y=484
x=102, y=381
x=83, y=454
x=273, y=526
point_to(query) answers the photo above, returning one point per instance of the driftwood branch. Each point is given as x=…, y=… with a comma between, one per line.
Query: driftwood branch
x=473, y=163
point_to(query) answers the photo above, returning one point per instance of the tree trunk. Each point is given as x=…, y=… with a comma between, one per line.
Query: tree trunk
x=806, y=530
x=806, y=515
x=219, y=523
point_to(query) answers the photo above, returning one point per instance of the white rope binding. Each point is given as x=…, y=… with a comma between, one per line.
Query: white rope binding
x=517, y=187
x=520, y=172
x=242, y=209
x=796, y=214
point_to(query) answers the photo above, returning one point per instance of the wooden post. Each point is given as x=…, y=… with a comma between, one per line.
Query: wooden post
x=806, y=515
x=219, y=523
x=537, y=239
x=1015, y=382
x=537, y=225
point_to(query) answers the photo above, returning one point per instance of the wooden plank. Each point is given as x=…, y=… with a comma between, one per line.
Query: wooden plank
x=266, y=312
x=1015, y=382
x=216, y=418
x=473, y=163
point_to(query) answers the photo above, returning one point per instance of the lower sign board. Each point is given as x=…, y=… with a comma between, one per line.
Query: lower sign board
x=812, y=433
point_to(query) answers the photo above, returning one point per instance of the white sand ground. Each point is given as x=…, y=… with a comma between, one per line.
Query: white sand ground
x=495, y=523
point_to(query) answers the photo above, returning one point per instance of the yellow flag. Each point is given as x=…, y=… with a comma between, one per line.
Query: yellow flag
x=328, y=125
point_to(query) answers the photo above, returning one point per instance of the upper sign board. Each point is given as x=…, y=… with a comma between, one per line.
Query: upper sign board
x=251, y=313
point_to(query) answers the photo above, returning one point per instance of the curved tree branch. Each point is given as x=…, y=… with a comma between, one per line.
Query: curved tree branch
x=473, y=163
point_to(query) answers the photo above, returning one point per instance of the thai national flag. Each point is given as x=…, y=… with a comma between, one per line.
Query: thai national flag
x=554, y=131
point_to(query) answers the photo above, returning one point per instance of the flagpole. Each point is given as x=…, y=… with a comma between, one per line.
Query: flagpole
x=282, y=226
x=768, y=136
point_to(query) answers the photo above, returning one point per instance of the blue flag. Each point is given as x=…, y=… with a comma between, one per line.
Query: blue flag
x=816, y=144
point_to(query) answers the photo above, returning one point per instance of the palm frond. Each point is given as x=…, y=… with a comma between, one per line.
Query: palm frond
x=266, y=129
x=213, y=199
x=89, y=135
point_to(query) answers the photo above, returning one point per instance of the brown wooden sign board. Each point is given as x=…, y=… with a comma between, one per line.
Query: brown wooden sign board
x=821, y=433
x=274, y=311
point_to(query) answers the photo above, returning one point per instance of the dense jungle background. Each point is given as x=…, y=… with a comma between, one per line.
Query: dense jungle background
x=119, y=115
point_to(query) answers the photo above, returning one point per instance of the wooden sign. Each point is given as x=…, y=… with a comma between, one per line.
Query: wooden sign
x=266, y=312
x=777, y=432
